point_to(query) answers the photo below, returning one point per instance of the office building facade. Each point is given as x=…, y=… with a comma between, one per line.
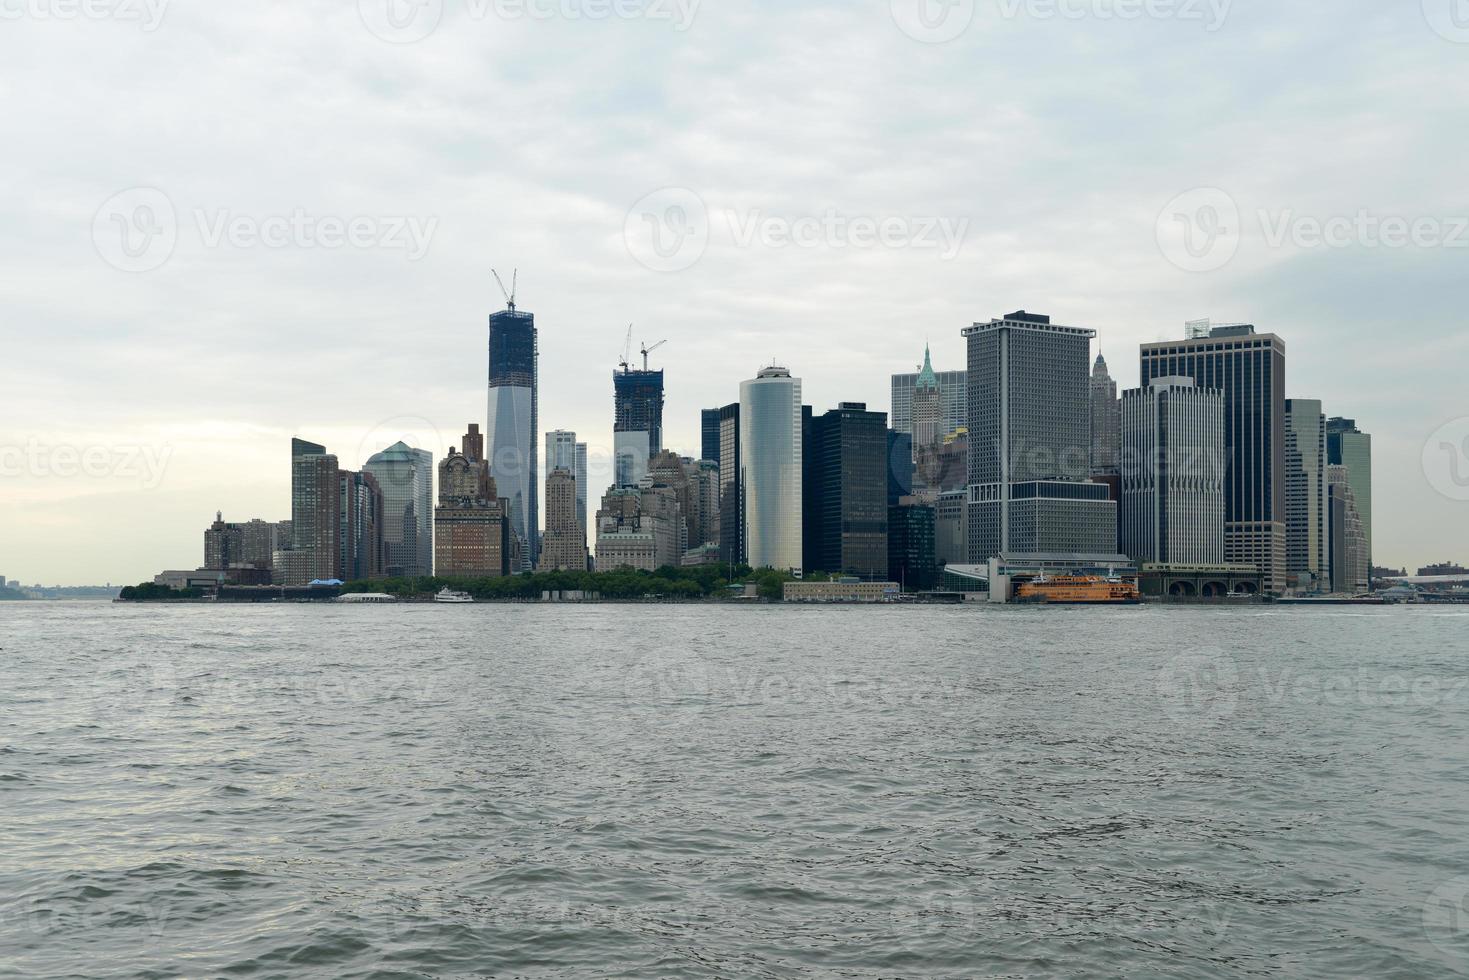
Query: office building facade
x=361, y=537
x=954, y=395
x=471, y=530
x=564, y=548
x=1350, y=567
x=846, y=488
x=1030, y=442
x=563, y=452
x=1105, y=420
x=1307, y=541
x=771, y=469
x=513, y=423
x=709, y=435
x=314, y=553
x=731, y=496
x=1250, y=369
x=405, y=477
x=637, y=432
x=1172, y=473
x=1348, y=446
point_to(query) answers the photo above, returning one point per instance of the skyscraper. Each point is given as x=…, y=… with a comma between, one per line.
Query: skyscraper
x=564, y=548
x=1172, y=473
x=565, y=453
x=314, y=552
x=1250, y=369
x=471, y=532
x=954, y=394
x=770, y=469
x=639, y=527
x=1350, y=567
x=929, y=426
x=709, y=435
x=1348, y=446
x=361, y=537
x=1307, y=541
x=847, y=465
x=1030, y=442
x=404, y=476
x=638, y=426
x=731, y=495
x=514, y=406
x=1106, y=432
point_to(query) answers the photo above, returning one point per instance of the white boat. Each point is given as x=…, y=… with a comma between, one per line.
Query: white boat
x=449, y=595
x=366, y=597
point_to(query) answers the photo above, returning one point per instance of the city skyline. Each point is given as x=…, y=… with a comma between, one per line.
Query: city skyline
x=607, y=467
x=357, y=347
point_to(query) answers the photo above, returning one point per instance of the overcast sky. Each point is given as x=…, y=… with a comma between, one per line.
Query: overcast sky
x=828, y=185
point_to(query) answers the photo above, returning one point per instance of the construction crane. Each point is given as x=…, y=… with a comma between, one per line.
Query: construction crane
x=648, y=350
x=510, y=293
x=625, y=361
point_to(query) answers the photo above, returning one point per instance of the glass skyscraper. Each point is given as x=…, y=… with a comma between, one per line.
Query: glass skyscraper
x=514, y=405
x=563, y=452
x=405, y=479
x=1030, y=442
x=1348, y=446
x=637, y=431
x=1250, y=369
x=847, y=491
x=770, y=469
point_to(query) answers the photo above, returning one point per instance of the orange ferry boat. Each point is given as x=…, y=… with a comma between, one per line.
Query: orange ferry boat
x=1078, y=590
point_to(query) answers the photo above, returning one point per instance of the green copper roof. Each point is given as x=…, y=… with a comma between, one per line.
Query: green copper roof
x=926, y=377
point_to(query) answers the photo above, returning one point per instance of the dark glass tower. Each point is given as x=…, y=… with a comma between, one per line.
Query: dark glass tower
x=709, y=435
x=640, y=405
x=1250, y=369
x=847, y=492
x=514, y=422
x=731, y=498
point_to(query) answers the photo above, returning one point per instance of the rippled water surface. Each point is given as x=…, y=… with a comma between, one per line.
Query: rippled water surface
x=433, y=791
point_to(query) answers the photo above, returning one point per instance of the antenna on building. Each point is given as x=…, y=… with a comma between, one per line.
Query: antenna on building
x=510, y=293
x=648, y=350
